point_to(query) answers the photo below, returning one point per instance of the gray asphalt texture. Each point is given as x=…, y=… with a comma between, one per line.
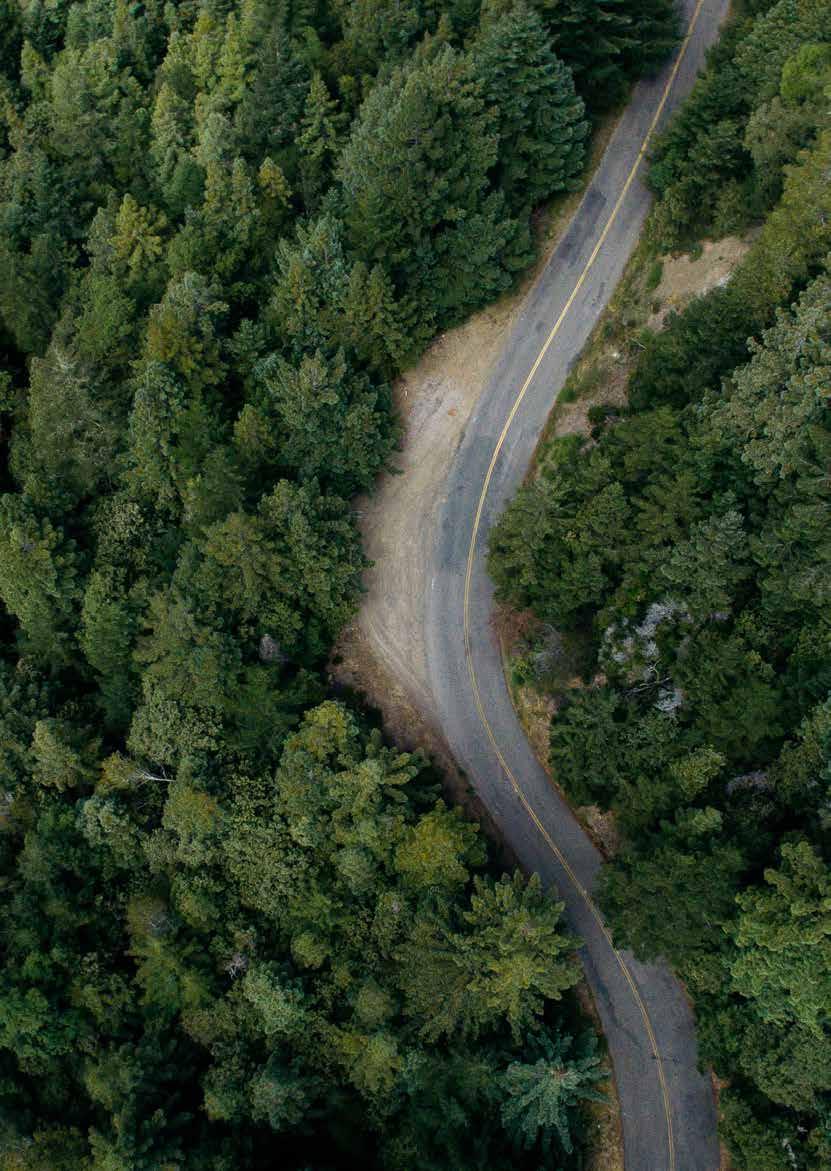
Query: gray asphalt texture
x=647, y=1142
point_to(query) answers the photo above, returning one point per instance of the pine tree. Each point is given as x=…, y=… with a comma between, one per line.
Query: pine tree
x=317, y=141
x=542, y=130
x=374, y=328
x=606, y=43
x=39, y=578
x=436, y=853
x=292, y=570
x=267, y=119
x=169, y=435
x=377, y=32
x=540, y=1099
x=177, y=175
x=783, y=940
x=688, y=864
x=69, y=445
x=414, y=178
x=322, y=407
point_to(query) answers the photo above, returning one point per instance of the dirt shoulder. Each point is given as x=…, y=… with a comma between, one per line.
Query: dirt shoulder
x=381, y=654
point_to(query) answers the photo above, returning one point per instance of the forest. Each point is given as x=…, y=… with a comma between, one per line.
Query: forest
x=234, y=921
x=681, y=556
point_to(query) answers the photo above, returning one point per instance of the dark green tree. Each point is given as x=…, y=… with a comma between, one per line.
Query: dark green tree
x=414, y=182
x=540, y=1098
x=321, y=407
x=540, y=120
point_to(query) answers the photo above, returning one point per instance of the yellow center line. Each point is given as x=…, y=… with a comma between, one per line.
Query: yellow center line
x=549, y=841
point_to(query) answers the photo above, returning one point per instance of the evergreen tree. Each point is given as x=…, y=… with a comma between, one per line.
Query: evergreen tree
x=413, y=177
x=608, y=42
x=292, y=570
x=538, y=1097
x=782, y=935
x=540, y=121
x=318, y=142
x=322, y=406
x=39, y=579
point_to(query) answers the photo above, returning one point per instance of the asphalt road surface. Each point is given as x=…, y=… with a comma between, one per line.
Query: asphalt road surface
x=669, y=1119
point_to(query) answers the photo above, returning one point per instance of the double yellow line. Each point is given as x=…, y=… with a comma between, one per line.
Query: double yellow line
x=515, y=785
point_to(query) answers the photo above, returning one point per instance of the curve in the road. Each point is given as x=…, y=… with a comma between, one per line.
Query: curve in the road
x=667, y=1106
x=552, y=845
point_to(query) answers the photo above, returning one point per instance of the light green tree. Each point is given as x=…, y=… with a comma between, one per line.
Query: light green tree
x=783, y=941
x=39, y=578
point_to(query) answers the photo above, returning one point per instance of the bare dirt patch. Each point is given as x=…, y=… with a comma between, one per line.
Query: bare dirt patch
x=573, y=417
x=725, y=1162
x=602, y=828
x=688, y=276
x=516, y=629
x=535, y=712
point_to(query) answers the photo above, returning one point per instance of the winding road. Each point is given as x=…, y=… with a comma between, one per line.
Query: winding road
x=669, y=1121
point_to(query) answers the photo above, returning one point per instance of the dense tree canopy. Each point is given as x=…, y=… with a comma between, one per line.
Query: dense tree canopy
x=721, y=164
x=279, y=945
x=231, y=917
